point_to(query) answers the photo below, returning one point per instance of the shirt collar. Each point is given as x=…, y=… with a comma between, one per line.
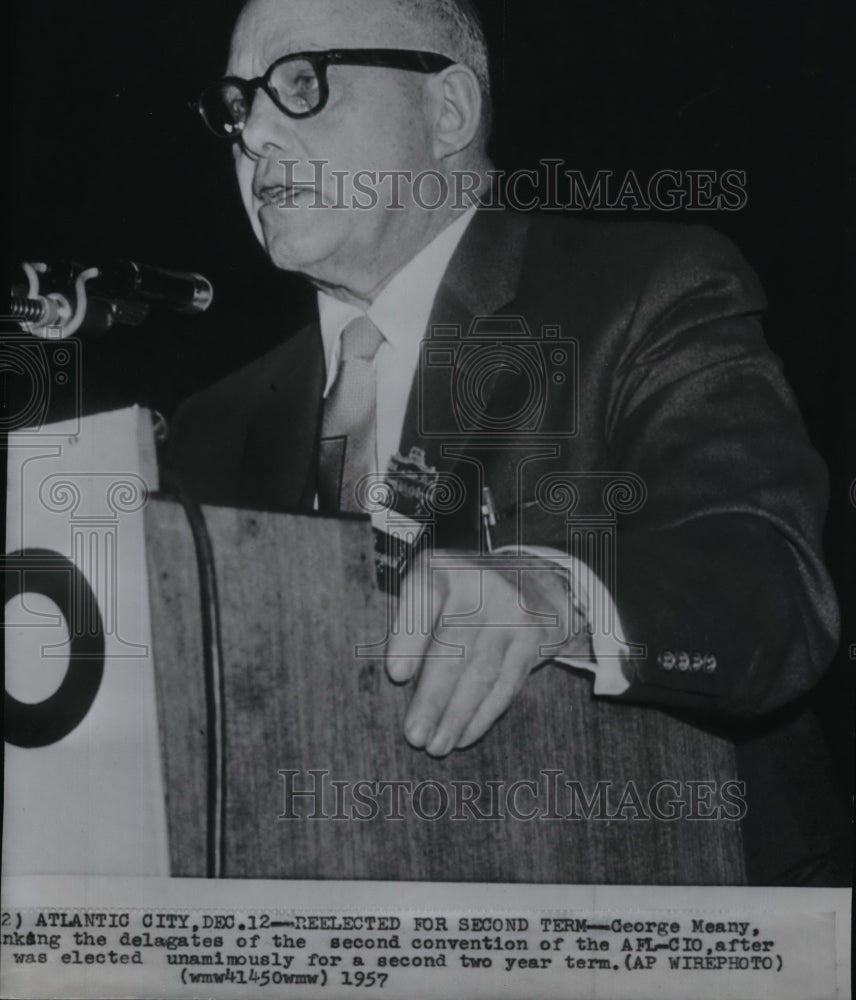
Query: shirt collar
x=402, y=310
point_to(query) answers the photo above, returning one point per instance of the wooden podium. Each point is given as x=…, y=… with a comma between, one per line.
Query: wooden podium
x=293, y=765
x=309, y=713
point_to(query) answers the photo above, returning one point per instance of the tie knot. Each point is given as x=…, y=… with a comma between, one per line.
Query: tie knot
x=360, y=339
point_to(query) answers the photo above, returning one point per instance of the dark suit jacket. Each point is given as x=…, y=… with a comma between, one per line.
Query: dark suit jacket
x=663, y=374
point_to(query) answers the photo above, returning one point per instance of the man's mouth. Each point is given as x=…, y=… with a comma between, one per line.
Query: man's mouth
x=281, y=194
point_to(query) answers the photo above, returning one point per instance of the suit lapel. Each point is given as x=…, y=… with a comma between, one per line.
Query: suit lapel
x=484, y=272
x=279, y=450
x=481, y=279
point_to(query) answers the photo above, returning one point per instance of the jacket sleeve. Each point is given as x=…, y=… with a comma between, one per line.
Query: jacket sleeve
x=719, y=574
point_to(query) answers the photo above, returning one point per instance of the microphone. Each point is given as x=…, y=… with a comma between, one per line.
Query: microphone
x=118, y=291
x=182, y=291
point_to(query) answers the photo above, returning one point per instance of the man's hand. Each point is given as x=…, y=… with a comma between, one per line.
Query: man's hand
x=472, y=633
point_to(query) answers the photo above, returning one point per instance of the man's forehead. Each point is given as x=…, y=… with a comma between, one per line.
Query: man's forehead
x=268, y=29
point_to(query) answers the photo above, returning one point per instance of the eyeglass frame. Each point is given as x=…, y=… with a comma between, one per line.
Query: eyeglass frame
x=413, y=60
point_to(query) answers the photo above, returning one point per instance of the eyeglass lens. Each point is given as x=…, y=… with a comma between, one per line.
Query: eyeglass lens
x=295, y=83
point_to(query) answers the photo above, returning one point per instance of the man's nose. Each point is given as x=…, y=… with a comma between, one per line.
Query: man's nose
x=266, y=128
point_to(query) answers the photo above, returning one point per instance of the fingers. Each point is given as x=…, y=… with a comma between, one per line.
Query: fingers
x=404, y=656
x=448, y=694
x=503, y=693
x=437, y=684
x=415, y=618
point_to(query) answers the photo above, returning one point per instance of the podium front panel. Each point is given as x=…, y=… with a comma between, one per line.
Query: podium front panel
x=319, y=780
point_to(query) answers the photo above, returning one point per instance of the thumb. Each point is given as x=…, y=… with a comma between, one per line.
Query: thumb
x=403, y=662
x=416, y=612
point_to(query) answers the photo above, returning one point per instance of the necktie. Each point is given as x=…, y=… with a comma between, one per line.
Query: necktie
x=348, y=431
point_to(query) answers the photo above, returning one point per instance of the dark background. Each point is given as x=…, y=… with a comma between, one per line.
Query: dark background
x=106, y=160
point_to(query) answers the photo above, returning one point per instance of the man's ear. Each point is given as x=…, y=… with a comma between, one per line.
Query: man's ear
x=456, y=109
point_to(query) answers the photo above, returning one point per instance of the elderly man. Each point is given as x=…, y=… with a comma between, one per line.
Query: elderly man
x=724, y=608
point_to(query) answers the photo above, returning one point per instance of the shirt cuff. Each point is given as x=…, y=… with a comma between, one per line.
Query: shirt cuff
x=594, y=602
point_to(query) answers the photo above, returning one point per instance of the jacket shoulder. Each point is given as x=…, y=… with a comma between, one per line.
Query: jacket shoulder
x=208, y=432
x=635, y=247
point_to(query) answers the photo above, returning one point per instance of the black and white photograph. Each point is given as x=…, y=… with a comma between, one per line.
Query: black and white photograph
x=430, y=500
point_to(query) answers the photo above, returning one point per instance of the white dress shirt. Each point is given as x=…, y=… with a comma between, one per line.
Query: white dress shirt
x=401, y=313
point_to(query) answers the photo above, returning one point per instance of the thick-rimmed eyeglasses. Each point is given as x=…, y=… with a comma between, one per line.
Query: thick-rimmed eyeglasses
x=297, y=84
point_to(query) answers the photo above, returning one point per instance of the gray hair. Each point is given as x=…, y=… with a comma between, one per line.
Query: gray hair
x=455, y=30
x=452, y=28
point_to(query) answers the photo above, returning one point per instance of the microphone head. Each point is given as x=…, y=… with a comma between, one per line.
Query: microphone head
x=203, y=295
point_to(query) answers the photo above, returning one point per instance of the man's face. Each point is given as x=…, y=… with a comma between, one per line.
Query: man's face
x=375, y=119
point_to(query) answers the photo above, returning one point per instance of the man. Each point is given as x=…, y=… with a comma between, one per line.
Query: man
x=724, y=608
